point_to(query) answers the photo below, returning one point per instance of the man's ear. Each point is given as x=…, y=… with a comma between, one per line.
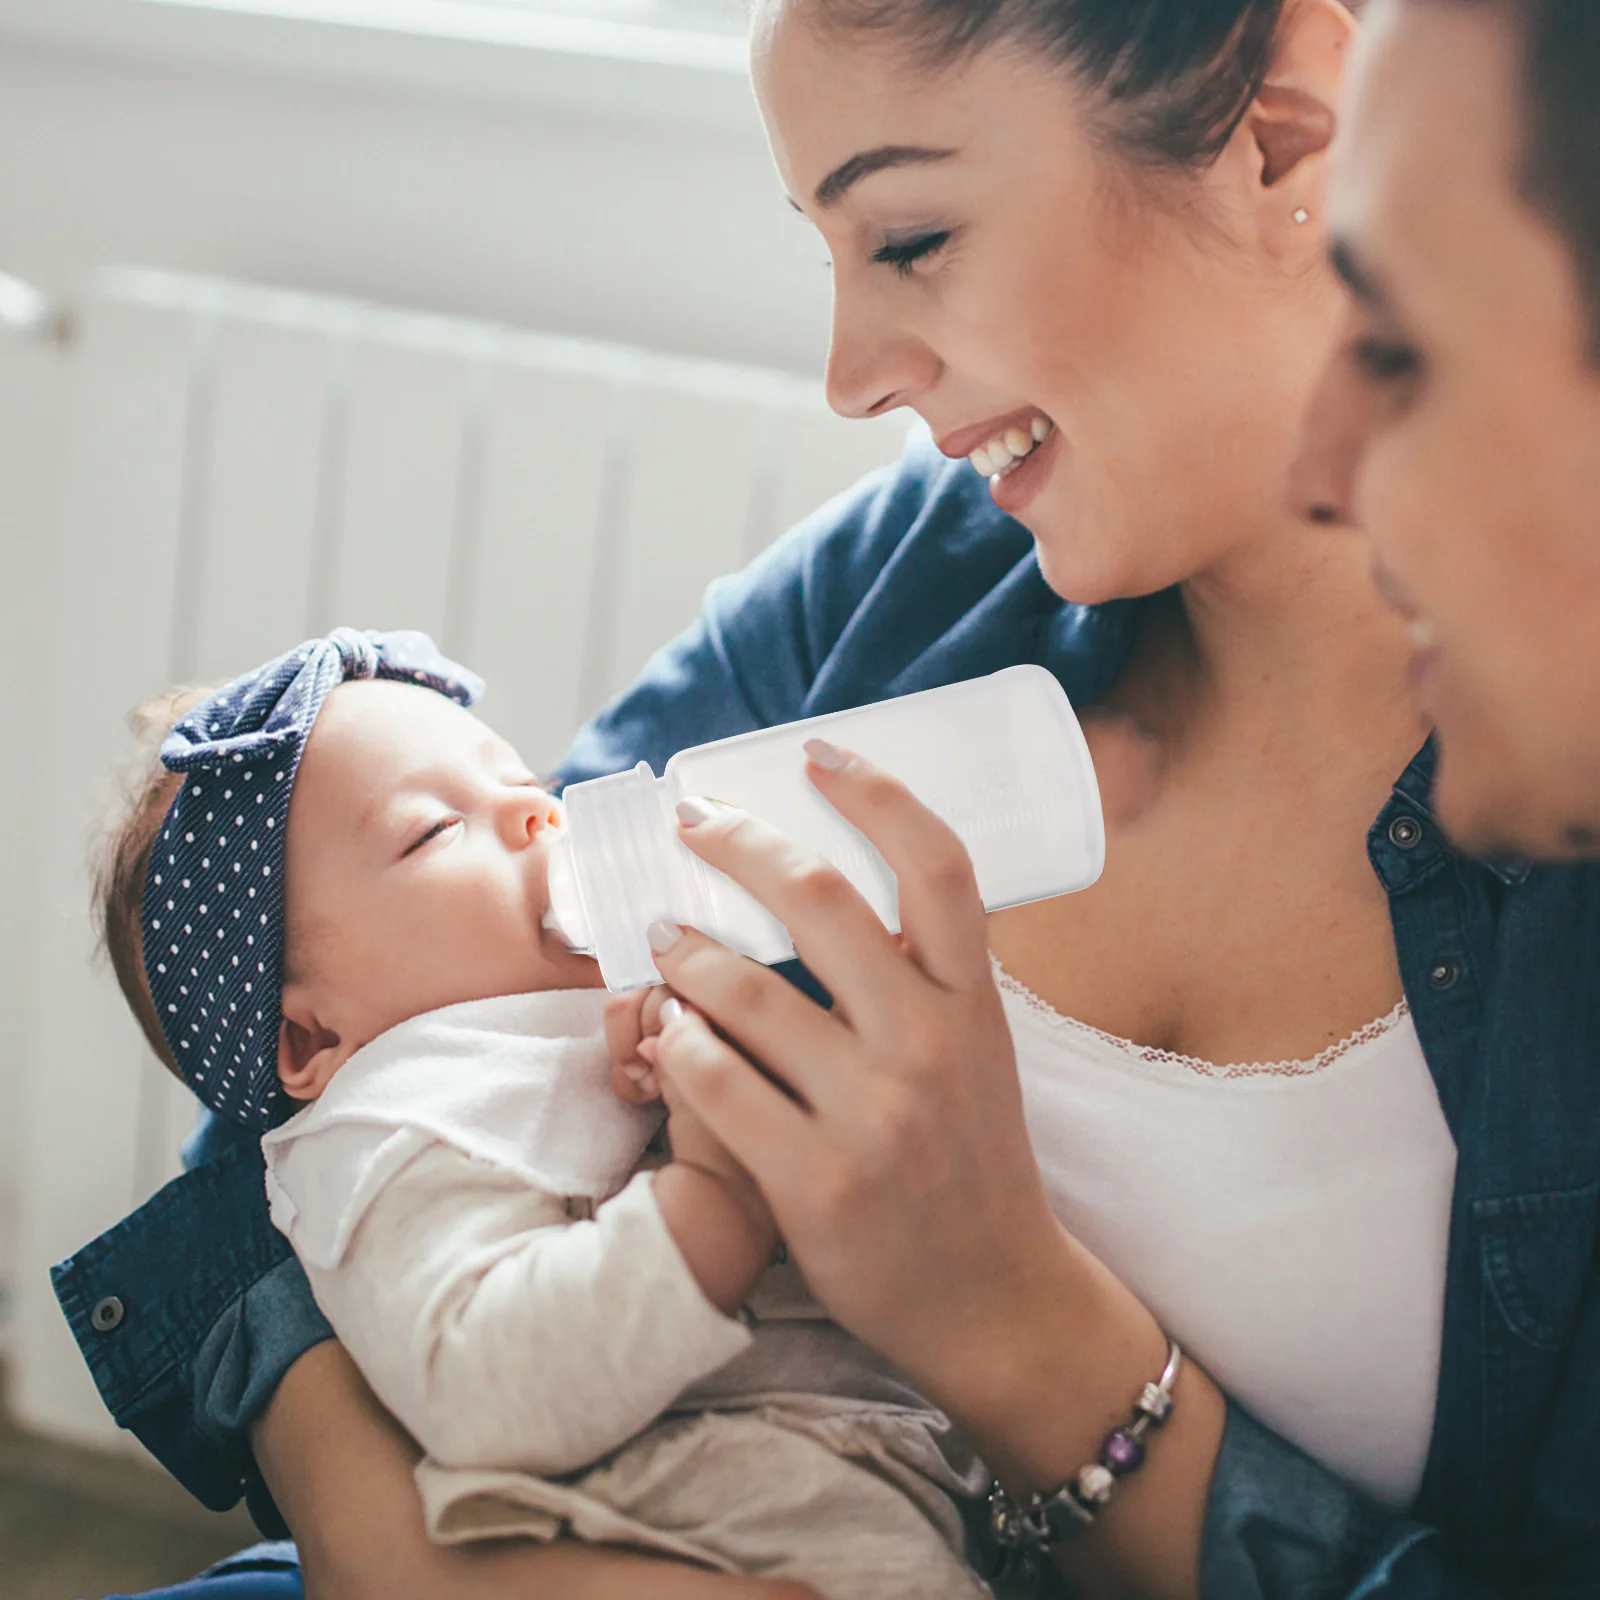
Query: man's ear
x=1291, y=123
x=309, y=1052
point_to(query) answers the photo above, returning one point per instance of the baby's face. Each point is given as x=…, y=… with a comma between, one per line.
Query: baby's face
x=416, y=863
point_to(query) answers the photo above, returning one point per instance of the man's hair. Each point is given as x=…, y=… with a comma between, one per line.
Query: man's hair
x=145, y=792
x=1560, y=161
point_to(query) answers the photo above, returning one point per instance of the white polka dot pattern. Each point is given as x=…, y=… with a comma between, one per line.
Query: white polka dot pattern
x=213, y=893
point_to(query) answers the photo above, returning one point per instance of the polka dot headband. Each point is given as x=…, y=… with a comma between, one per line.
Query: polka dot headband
x=213, y=894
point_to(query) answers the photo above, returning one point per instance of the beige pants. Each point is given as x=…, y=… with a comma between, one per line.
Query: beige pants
x=846, y=1499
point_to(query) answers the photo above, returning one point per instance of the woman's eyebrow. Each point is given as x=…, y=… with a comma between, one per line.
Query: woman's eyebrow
x=847, y=174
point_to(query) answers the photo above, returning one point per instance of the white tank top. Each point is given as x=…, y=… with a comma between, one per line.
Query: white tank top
x=1287, y=1223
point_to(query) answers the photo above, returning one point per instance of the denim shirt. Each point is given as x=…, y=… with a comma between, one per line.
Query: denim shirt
x=915, y=579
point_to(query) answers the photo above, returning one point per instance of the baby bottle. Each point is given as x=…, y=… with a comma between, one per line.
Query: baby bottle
x=1001, y=759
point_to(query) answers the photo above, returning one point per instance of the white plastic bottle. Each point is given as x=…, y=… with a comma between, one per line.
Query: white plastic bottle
x=1001, y=759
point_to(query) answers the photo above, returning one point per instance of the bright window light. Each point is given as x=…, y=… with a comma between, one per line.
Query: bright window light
x=694, y=16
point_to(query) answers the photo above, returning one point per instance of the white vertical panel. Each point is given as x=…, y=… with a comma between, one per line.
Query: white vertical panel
x=261, y=495
x=256, y=459
x=124, y=524
x=545, y=447
x=391, y=564
x=691, y=476
x=33, y=410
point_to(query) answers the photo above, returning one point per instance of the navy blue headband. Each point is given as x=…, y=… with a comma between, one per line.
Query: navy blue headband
x=213, y=893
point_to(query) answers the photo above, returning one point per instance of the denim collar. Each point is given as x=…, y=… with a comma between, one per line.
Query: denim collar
x=1403, y=858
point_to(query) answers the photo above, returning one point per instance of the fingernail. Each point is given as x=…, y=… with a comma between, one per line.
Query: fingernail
x=635, y=1074
x=662, y=936
x=672, y=1011
x=650, y=1083
x=693, y=811
x=827, y=756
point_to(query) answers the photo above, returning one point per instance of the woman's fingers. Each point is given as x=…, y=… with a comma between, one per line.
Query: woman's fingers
x=765, y=1130
x=941, y=914
x=762, y=1013
x=835, y=932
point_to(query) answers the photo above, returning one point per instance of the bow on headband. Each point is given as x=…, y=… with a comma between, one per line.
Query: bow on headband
x=213, y=894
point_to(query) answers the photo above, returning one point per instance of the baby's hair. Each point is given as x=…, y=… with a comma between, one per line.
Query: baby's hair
x=121, y=856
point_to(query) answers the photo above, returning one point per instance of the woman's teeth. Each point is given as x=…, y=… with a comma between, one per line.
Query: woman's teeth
x=1002, y=453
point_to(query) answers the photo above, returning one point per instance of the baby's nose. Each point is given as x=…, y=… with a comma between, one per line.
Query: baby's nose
x=528, y=813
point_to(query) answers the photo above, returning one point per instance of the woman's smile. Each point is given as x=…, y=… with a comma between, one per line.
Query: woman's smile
x=1014, y=488
x=1001, y=448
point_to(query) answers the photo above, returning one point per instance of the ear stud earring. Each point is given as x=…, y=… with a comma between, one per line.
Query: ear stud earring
x=1301, y=214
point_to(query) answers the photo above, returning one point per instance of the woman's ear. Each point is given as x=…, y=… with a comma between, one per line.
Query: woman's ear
x=1291, y=124
x=309, y=1053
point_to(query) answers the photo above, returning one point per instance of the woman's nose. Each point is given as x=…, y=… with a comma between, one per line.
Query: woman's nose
x=873, y=365
x=1333, y=441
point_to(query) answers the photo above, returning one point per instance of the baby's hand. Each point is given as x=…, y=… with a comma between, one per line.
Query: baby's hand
x=713, y=1209
x=632, y=1022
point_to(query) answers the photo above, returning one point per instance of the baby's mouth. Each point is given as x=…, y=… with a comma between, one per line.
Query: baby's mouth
x=1005, y=452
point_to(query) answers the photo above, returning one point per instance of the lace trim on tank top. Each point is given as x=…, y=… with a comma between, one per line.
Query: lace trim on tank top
x=1205, y=1069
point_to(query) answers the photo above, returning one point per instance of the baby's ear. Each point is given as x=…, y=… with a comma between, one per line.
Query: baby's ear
x=308, y=1052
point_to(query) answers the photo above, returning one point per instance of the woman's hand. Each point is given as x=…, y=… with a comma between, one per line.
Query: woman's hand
x=340, y=1469
x=889, y=1140
x=892, y=1146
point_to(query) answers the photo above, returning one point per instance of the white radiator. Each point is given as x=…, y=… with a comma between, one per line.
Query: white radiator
x=250, y=467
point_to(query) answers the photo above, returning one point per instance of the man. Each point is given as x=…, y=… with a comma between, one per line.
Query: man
x=1459, y=424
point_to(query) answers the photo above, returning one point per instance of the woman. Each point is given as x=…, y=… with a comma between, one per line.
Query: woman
x=1080, y=237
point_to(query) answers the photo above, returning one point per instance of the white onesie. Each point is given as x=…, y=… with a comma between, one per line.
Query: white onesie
x=467, y=1203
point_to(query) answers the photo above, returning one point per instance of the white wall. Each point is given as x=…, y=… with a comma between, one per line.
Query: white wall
x=650, y=229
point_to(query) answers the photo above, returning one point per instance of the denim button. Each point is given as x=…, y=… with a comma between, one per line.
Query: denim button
x=1445, y=976
x=1405, y=833
x=107, y=1314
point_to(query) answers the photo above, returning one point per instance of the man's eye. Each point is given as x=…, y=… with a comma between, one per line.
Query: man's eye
x=1386, y=361
x=904, y=254
x=432, y=833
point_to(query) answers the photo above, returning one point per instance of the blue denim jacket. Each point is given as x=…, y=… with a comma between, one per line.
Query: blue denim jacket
x=914, y=579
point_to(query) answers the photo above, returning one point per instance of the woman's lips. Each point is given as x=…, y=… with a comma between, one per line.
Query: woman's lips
x=962, y=442
x=1015, y=490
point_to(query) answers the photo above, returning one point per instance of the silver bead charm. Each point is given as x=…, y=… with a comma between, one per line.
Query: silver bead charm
x=1095, y=1484
x=1155, y=1403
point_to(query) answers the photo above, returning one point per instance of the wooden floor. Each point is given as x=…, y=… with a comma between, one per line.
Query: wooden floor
x=77, y=1525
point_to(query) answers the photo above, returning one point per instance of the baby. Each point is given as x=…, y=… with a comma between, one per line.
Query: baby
x=343, y=886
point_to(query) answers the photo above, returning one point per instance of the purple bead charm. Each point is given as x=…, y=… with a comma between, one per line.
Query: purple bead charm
x=1122, y=1453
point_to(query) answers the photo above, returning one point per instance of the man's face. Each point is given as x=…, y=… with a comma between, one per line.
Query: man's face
x=1459, y=425
x=416, y=864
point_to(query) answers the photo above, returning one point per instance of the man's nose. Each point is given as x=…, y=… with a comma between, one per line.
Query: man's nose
x=1333, y=439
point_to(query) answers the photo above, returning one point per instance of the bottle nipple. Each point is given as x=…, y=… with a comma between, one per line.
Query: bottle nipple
x=564, y=914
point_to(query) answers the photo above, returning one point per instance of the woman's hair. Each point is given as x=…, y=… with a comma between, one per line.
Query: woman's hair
x=1172, y=78
x=145, y=792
